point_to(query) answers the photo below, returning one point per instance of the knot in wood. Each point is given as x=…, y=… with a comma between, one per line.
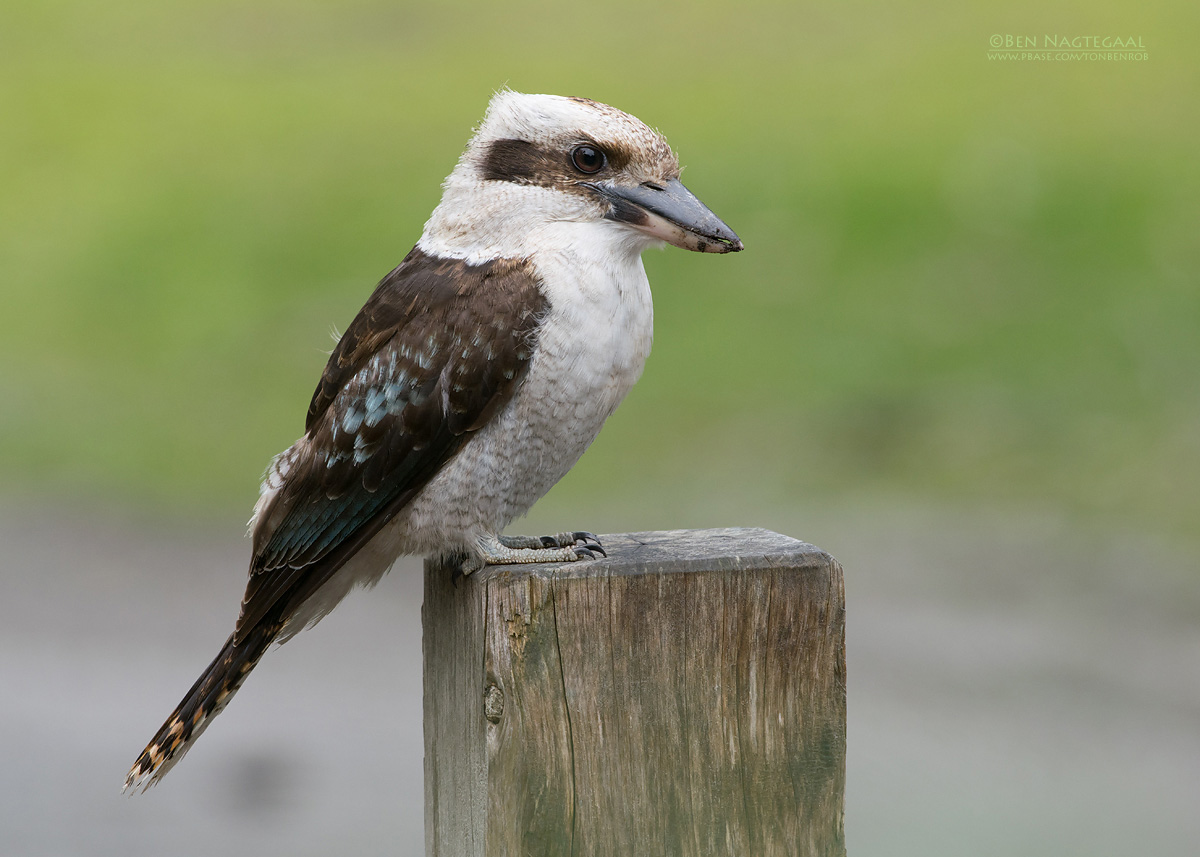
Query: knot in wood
x=493, y=703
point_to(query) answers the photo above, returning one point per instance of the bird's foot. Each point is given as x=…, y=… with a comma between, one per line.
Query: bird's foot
x=561, y=540
x=513, y=550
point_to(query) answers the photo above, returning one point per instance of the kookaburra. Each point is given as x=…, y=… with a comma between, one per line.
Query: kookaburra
x=473, y=379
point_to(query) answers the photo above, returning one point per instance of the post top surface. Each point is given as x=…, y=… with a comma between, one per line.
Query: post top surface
x=730, y=548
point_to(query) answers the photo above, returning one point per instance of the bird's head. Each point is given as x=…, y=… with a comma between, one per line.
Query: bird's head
x=539, y=163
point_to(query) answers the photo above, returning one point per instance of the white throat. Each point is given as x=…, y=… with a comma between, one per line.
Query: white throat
x=478, y=221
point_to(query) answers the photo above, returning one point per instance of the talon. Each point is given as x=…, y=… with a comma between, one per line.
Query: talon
x=463, y=565
x=589, y=551
x=550, y=542
x=581, y=536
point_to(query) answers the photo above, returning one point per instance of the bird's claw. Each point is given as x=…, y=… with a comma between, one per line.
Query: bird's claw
x=590, y=551
x=569, y=540
x=587, y=545
x=562, y=547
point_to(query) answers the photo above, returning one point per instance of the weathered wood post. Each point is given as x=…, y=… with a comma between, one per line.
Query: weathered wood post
x=685, y=696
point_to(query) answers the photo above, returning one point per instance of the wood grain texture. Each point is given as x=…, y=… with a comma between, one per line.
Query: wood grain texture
x=685, y=696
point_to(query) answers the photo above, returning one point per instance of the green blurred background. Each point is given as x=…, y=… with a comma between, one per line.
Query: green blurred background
x=961, y=352
x=965, y=281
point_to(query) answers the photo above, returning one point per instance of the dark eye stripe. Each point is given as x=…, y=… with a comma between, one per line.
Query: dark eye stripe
x=523, y=162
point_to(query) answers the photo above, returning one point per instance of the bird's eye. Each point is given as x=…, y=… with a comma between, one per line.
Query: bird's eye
x=587, y=159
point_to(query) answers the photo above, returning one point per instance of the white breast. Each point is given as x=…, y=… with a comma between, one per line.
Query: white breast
x=591, y=348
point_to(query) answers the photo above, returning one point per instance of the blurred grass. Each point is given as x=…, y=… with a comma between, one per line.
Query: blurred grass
x=965, y=281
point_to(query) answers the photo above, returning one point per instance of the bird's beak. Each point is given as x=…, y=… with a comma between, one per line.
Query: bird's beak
x=671, y=213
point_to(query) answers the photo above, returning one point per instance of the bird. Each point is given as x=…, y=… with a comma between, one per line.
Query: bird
x=475, y=376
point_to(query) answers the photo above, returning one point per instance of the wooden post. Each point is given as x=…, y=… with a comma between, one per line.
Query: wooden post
x=685, y=696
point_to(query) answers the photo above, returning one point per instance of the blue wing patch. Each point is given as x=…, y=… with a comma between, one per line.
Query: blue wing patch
x=437, y=350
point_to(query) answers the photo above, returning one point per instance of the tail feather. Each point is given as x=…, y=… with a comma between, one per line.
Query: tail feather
x=208, y=696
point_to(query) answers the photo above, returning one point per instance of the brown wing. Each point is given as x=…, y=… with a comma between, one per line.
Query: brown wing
x=438, y=348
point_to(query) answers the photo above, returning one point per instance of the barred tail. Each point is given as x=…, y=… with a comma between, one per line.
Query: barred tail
x=208, y=696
